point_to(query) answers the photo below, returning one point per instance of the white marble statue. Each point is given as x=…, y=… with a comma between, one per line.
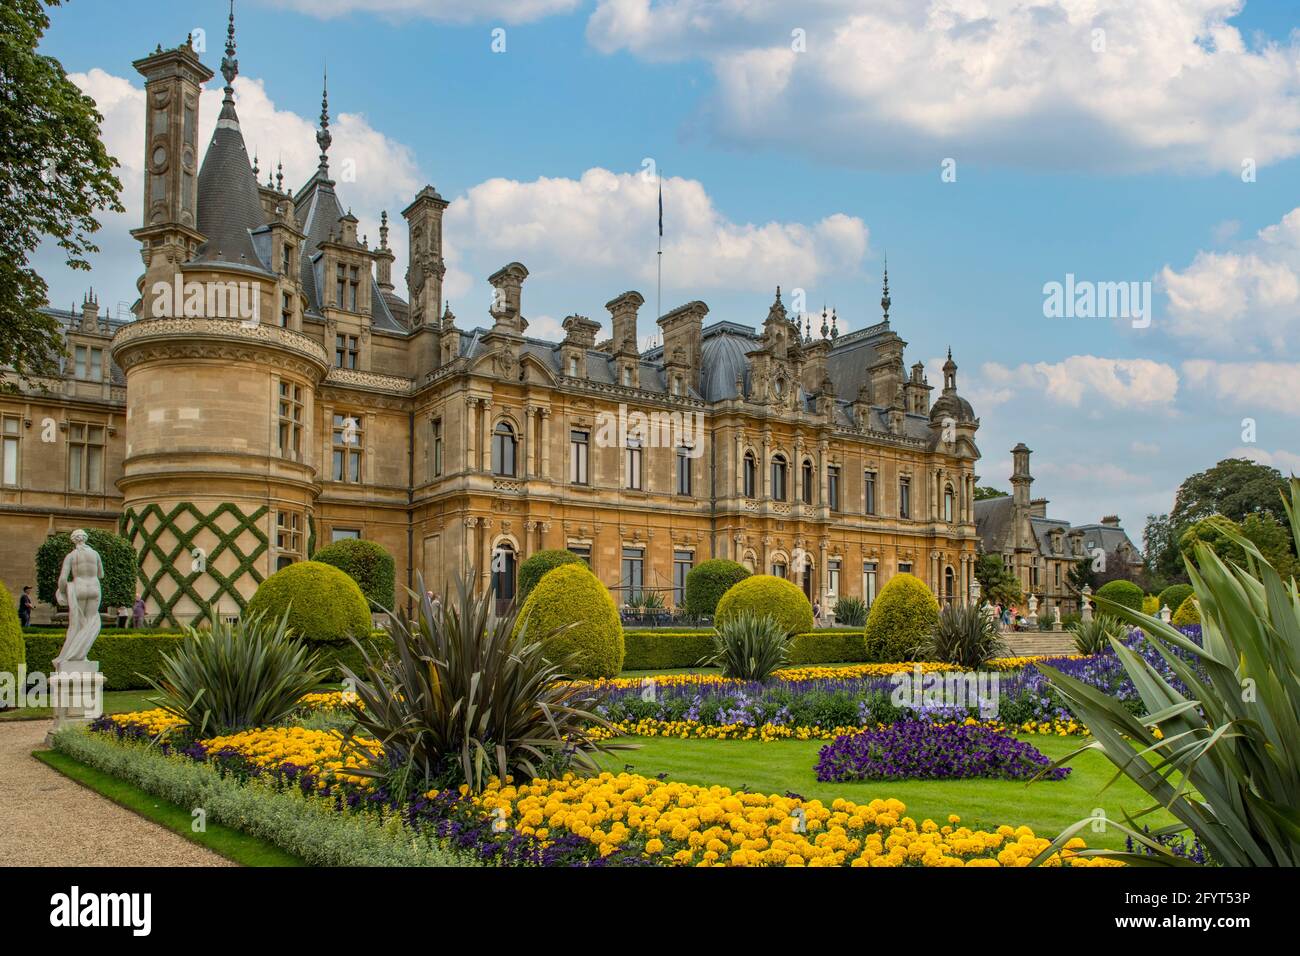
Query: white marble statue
x=79, y=590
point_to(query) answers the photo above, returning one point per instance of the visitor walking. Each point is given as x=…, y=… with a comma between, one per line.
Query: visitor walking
x=25, y=606
x=817, y=613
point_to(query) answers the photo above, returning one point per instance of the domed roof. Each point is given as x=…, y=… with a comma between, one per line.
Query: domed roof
x=952, y=405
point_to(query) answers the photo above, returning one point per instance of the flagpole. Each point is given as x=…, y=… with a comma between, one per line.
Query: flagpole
x=659, y=281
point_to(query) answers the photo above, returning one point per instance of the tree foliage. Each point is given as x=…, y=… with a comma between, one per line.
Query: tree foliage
x=1234, y=488
x=997, y=584
x=118, y=586
x=55, y=176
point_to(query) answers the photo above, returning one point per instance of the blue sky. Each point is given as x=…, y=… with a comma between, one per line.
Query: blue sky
x=800, y=167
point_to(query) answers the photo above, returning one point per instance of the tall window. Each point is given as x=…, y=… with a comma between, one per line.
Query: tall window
x=288, y=538
x=633, y=453
x=807, y=480
x=9, y=436
x=340, y=285
x=833, y=576
x=503, y=572
x=286, y=258
x=684, y=486
x=85, y=457
x=750, y=474
x=779, y=569
x=868, y=582
x=905, y=497
x=949, y=584
x=290, y=420
x=345, y=351
x=780, y=474
x=833, y=488
x=354, y=283
x=573, y=367
x=633, y=564
x=437, y=447
x=503, y=450
x=579, y=451
x=947, y=503
x=286, y=310
x=869, y=491
x=682, y=564
x=347, y=448
x=88, y=363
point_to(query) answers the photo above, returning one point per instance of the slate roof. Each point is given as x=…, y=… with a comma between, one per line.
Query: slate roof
x=994, y=523
x=230, y=208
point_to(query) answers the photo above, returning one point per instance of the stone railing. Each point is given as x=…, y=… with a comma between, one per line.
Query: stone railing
x=370, y=381
x=230, y=330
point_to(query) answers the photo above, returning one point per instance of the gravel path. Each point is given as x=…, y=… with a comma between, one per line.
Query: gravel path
x=48, y=820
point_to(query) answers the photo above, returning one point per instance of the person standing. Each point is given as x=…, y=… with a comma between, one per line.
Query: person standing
x=137, y=613
x=25, y=606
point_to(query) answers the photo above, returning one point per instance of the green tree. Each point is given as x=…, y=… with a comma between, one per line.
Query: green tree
x=984, y=491
x=997, y=584
x=1163, y=561
x=1234, y=488
x=55, y=176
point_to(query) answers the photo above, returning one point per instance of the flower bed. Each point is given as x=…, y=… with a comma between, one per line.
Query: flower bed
x=918, y=750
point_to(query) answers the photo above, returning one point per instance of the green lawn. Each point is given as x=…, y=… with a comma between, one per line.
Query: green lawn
x=780, y=766
x=115, y=702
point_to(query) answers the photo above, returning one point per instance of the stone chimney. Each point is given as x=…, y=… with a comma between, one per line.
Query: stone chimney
x=1110, y=521
x=683, y=336
x=507, y=285
x=623, y=312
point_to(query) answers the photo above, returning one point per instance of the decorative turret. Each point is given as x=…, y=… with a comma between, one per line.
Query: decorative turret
x=384, y=257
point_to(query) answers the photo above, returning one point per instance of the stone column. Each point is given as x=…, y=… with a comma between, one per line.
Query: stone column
x=526, y=445
x=546, y=448
x=738, y=472
x=485, y=421
x=471, y=434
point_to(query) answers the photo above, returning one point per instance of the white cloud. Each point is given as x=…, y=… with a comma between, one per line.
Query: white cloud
x=1247, y=299
x=1287, y=462
x=603, y=225
x=1080, y=379
x=1260, y=387
x=446, y=11
x=1014, y=81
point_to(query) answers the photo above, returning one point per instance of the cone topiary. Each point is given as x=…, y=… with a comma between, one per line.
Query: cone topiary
x=708, y=581
x=13, y=651
x=901, y=617
x=567, y=594
x=764, y=594
x=324, y=604
x=1188, y=613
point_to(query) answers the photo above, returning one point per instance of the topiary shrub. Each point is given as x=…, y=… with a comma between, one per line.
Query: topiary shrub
x=118, y=586
x=766, y=595
x=367, y=563
x=13, y=649
x=1125, y=593
x=708, y=581
x=567, y=594
x=1188, y=613
x=1173, y=596
x=535, y=568
x=901, y=618
x=324, y=604
x=1150, y=604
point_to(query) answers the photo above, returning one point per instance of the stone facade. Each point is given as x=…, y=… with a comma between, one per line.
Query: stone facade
x=274, y=393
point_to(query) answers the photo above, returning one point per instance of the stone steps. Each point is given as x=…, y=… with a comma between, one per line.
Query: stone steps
x=1030, y=643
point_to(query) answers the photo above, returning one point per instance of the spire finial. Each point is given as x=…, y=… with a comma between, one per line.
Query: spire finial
x=255, y=169
x=229, y=65
x=778, y=293
x=323, y=138
x=279, y=176
x=884, y=299
x=383, y=229
x=835, y=326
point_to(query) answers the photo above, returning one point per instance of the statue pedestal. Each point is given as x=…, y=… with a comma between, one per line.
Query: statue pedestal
x=76, y=695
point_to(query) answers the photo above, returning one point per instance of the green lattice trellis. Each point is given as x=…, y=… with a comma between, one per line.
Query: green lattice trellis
x=133, y=525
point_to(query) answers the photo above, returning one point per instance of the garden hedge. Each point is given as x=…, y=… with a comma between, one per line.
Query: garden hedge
x=708, y=581
x=901, y=617
x=535, y=568
x=1122, y=592
x=662, y=650
x=765, y=594
x=1173, y=596
x=13, y=651
x=1188, y=613
x=569, y=593
x=324, y=604
x=117, y=587
x=367, y=563
x=124, y=656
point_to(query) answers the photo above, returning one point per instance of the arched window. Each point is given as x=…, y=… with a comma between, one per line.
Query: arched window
x=751, y=472
x=503, y=572
x=947, y=503
x=806, y=492
x=949, y=583
x=780, y=475
x=503, y=450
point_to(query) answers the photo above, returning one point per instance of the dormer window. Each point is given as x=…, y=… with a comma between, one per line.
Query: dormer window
x=627, y=375
x=286, y=259
x=573, y=367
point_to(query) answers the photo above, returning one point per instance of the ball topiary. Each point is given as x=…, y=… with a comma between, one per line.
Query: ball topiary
x=1188, y=613
x=1173, y=596
x=324, y=604
x=538, y=563
x=365, y=562
x=13, y=650
x=569, y=593
x=118, y=586
x=1122, y=592
x=903, y=615
x=708, y=581
x=764, y=594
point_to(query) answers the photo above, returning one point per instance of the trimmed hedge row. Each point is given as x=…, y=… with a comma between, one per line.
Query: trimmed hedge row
x=656, y=650
x=123, y=658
